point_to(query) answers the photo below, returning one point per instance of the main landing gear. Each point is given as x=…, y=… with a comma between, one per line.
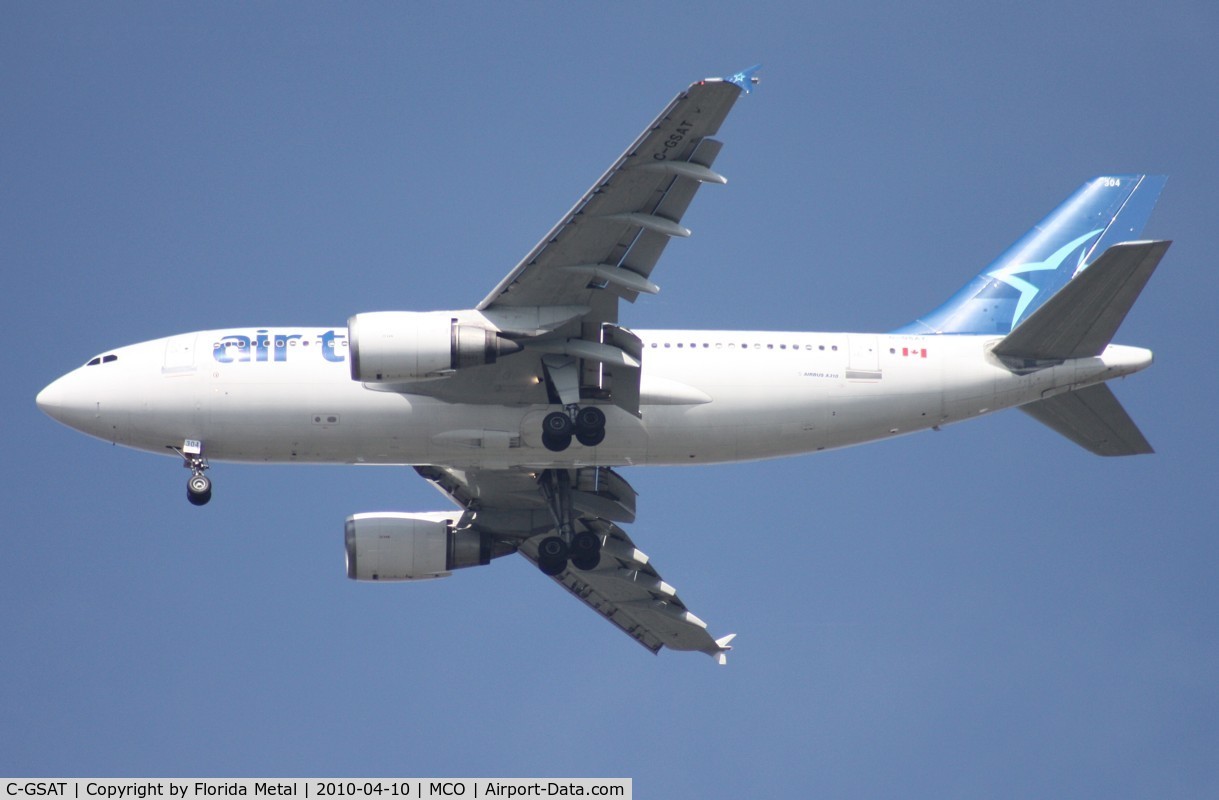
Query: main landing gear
x=199, y=487
x=587, y=424
x=582, y=549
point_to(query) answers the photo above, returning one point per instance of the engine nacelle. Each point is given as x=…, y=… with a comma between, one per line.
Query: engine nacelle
x=388, y=346
x=389, y=546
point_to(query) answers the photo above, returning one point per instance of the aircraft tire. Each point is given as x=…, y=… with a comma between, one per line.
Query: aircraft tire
x=585, y=550
x=586, y=562
x=552, y=555
x=590, y=419
x=557, y=423
x=556, y=442
x=199, y=490
x=591, y=438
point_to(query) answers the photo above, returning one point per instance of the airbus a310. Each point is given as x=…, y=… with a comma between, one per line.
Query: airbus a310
x=523, y=408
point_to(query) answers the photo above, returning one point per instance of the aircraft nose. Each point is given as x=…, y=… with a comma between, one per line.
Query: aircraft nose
x=60, y=403
x=50, y=398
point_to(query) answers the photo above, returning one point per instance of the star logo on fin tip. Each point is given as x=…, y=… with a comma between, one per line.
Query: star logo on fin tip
x=745, y=78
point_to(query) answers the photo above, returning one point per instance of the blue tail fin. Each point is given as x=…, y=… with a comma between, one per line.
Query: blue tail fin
x=1103, y=212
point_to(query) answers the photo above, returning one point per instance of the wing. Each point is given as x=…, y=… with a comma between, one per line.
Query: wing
x=608, y=244
x=624, y=587
x=562, y=299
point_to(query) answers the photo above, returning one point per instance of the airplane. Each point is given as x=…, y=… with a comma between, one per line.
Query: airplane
x=522, y=409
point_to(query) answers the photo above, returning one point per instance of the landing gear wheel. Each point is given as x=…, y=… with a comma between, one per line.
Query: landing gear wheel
x=556, y=442
x=591, y=438
x=199, y=489
x=557, y=423
x=590, y=418
x=552, y=555
x=585, y=550
x=590, y=426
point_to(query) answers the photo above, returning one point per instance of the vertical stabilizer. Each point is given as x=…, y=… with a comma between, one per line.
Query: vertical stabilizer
x=1093, y=419
x=1104, y=211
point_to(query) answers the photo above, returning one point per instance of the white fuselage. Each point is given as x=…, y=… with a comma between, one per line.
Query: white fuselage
x=707, y=396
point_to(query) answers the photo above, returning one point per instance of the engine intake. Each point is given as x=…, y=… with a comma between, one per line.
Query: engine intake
x=389, y=546
x=390, y=346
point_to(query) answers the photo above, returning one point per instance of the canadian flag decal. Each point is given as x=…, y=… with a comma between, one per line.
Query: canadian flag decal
x=920, y=353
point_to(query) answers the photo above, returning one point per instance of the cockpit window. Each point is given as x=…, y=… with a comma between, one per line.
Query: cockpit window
x=102, y=360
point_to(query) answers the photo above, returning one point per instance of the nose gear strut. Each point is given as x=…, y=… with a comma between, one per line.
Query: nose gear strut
x=199, y=487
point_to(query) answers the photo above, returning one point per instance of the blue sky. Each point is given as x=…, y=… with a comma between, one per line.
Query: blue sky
x=988, y=610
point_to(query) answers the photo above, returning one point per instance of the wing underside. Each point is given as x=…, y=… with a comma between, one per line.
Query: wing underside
x=623, y=588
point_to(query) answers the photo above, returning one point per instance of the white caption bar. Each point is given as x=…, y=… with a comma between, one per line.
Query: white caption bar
x=311, y=788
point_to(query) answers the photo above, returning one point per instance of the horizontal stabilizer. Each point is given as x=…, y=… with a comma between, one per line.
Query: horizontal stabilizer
x=1092, y=418
x=1081, y=319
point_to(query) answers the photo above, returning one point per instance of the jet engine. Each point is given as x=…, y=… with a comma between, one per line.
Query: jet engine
x=390, y=546
x=388, y=346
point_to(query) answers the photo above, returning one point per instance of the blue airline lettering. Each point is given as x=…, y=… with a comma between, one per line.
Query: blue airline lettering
x=330, y=348
x=264, y=346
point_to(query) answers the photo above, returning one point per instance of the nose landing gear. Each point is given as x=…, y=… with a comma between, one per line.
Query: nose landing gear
x=199, y=487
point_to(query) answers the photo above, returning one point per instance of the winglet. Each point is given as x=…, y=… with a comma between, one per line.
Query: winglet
x=745, y=78
x=721, y=654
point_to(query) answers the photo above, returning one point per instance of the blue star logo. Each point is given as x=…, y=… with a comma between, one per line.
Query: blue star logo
x=1027, y=290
